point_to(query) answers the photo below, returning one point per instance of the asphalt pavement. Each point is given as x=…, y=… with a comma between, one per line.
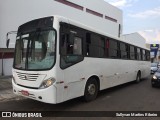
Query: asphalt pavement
x=130, y=97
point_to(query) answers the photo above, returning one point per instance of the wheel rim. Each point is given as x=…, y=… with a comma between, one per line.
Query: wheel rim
x=91, y=89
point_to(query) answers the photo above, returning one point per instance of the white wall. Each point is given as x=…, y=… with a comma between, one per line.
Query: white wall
x=7, y=66
x=16, y=12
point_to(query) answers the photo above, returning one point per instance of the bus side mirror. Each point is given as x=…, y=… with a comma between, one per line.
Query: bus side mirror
x=7, y=39
x=7, y=43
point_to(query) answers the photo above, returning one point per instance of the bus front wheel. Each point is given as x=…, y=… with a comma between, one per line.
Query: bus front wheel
x=91, y=90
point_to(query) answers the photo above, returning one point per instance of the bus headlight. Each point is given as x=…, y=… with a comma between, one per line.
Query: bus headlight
x=47, y=83
x=154, y=77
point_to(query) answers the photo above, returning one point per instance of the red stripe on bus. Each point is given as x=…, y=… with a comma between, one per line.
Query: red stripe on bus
x=94, y=12
x=70, y=4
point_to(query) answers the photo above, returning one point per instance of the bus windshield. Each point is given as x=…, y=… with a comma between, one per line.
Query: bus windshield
x=35, y=50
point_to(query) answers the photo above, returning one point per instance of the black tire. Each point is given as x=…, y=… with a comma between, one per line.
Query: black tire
x=153, y=85
x=91, y=90
x=138, y=78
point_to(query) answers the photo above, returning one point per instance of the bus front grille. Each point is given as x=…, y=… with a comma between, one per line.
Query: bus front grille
x=28, y=77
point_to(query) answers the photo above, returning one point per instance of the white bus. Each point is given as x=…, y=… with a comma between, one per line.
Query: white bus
x=58, y=59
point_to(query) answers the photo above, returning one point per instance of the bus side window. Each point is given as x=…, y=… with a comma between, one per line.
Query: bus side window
x=71, y=53
x=63, y=49
x=138, y=54
x=144, y=55
x=147, y=55
x=71, y=49
x=113, y=48
x=95, y=45
x=135, y=53
x=77, y=47
x=132, y=52
x=123, y=50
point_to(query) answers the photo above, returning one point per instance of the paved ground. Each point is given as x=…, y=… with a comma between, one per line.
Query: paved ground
x=6, y=93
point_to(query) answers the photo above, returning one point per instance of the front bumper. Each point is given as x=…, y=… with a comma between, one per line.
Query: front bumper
x=47, y=95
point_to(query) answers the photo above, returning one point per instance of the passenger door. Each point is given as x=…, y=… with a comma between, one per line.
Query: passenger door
x=71, y=44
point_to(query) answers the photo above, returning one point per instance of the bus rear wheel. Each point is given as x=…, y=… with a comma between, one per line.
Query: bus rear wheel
x=91, y=90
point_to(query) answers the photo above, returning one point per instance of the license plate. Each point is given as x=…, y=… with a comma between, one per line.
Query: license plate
x=25, y=93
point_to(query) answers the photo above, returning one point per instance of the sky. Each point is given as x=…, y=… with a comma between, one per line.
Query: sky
x=142, y=16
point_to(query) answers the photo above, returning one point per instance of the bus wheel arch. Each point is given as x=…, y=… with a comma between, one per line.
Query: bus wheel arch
x=92, y=88
x=138, y=77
